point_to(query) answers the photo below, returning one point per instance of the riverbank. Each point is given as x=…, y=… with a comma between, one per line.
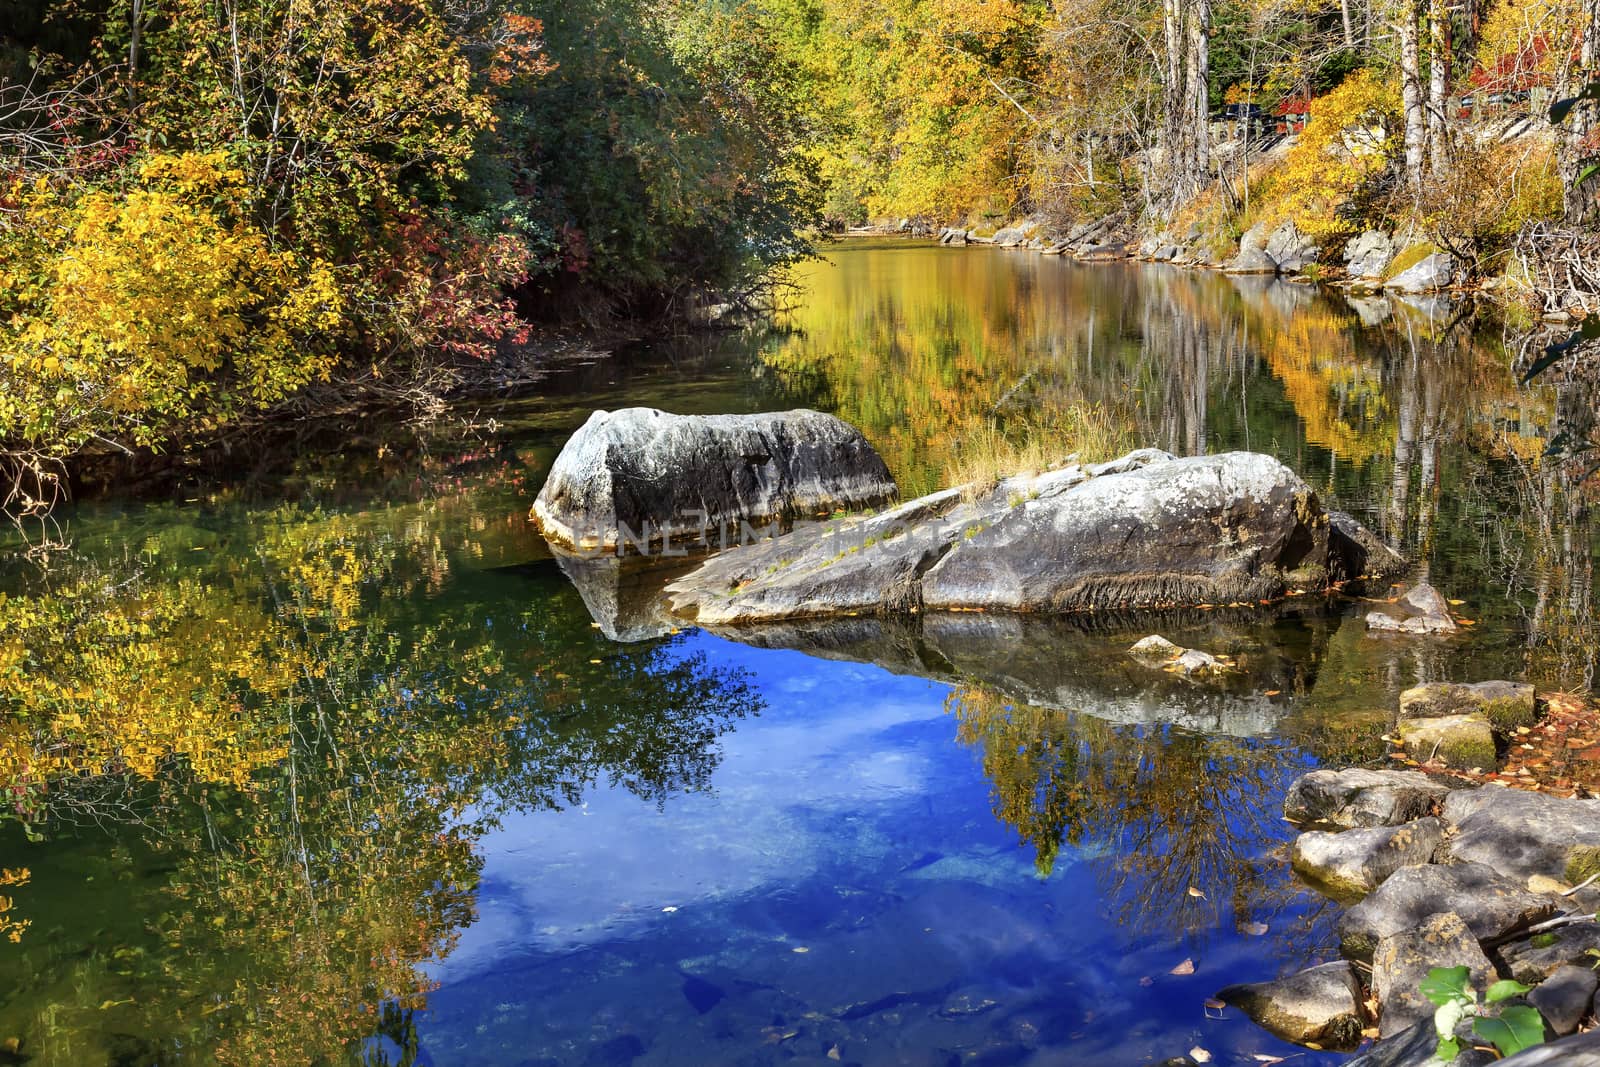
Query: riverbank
x=1404, y=261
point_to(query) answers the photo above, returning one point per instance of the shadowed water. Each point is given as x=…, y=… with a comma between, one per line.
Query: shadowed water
x=324, y=759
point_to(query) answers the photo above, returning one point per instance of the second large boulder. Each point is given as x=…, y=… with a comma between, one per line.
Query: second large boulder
x=641, y=478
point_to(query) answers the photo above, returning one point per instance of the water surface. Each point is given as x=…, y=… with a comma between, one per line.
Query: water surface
x=324, y=760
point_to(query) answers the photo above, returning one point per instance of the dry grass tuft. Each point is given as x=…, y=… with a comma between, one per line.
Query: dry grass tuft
x=988, y=455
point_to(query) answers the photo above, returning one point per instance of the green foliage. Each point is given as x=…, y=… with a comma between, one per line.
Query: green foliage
x=1513, y=1029
x=660, y=148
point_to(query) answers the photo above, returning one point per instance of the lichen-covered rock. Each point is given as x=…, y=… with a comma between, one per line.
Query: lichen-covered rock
x=1490, y=905
x=1356, y=797
x=1464, y=742
x=1523, y=834
x=639, y=476
x=1352, y=863
x=1531, y=960
x=1506, y=705
x=1144, y=531
x=1565, y=997
x=1321, y=1005
x=1403, y=959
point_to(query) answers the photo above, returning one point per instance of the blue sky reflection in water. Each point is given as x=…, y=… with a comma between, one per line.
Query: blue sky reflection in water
x=433, y=770
x=845, y=884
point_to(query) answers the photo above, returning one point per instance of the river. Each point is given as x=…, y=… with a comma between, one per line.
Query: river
x=323, y=759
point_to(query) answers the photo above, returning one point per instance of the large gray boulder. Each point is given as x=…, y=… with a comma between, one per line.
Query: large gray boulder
x=639, y=477
x=1291, y=250
x=1143, y=531
x=1356, y=797
x=1523, y=834
x=1488, y=903
x=1434, y=272
x=1403, y=959
x=1321, y=1005
x=1352, y=863
x=1367, y=256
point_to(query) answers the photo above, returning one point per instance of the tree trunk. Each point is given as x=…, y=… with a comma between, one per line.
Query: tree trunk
x=1439, y=63
x=1411, y=92
x=1186, y=139
x=1580, y=196
x=1198, y=92
x=1349, y=31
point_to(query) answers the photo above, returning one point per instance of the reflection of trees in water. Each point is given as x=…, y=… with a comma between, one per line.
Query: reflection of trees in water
x=311, y=734
x=1174, y=809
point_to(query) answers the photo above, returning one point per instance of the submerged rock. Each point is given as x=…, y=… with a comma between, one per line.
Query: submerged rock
x=1422, y=610
x=1143, y=531
x=1506, y=705
x=1156, y=649
x=1350, y=864
x=1403, y=959
x=1355, y=797
x=641, y=477
x=1062, y=662
x=1491, y=905
x=1321, y=1005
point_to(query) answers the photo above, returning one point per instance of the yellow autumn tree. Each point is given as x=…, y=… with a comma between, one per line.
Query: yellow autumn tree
x=1351, y=139
x=127, y=311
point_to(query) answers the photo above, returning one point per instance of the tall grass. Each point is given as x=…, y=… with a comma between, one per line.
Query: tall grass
x=991, y=452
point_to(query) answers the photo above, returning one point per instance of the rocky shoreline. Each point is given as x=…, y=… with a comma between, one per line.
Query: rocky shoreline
x=1438, y=871
x=1403, y=262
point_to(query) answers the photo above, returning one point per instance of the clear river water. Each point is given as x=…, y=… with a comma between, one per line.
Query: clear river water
x=323, y=759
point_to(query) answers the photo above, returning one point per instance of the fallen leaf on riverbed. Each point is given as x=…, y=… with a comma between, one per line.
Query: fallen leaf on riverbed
x=1262, y=1057
x=1186, y=967
x=1199, y=1055
x=1455, y=603
x=1254, y=929
x=1215, y=1004
x=1273, y=692
x=1193, y=892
